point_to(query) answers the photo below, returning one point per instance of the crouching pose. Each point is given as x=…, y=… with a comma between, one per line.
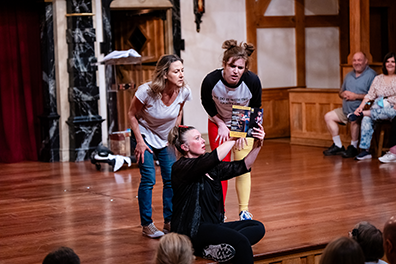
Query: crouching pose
x=198, y=209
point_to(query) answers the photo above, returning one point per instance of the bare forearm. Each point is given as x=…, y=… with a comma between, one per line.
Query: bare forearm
x=135, y=128
x=364, y=102
x=251, y=157
x=224, y=148
x=218, y=121
x=360, y=96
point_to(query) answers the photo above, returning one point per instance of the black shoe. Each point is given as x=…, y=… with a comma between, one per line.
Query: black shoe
x=334, y=150
x=352, y=117
x=351, y=152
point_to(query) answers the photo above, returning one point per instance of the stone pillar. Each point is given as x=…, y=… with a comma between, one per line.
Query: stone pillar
x=84, y=121
x=49, y=121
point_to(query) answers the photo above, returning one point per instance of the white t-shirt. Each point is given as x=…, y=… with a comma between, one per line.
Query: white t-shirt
x=156, y=119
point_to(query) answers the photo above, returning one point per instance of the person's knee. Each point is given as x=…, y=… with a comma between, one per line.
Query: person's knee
x=260, y=228
x=330, y=117
x=147, y=181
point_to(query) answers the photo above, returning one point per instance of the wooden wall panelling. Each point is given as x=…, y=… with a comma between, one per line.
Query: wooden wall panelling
x=307, y=110
x=305, y=257
x=275, y=104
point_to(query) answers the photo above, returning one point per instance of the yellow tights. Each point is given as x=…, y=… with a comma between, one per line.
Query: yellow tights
x=243, y=182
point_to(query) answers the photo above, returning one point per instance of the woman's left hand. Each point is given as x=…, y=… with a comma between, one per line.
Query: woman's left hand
x=241, y=143
x=259, y=134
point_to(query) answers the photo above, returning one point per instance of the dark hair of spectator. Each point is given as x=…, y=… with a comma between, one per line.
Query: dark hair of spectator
x=370, y=240
x=62, y=255
x=387, y=56
x=342, y=250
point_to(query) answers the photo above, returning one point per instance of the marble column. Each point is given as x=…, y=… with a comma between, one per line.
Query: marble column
x=106, y=48
x=84, y=121
x=49, y=121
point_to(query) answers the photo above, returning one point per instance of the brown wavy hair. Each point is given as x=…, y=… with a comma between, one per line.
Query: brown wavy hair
x=236, y=52
x=161, y=69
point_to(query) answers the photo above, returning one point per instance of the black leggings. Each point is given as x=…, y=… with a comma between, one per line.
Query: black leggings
x=239, y=234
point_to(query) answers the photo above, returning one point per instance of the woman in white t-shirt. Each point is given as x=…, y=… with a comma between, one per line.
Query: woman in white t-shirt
x=155, y=109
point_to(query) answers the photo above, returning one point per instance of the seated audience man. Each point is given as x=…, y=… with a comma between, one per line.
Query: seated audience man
x=174, y=248
x=342, y=250
x=370, y=240
x=62, y=255
x=390, y=156
x=355, y=86
x=390, y=240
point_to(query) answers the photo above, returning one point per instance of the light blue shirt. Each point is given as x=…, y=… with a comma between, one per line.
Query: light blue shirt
x=358, y=85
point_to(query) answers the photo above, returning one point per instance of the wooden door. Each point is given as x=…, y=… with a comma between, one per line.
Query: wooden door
x=145, y=33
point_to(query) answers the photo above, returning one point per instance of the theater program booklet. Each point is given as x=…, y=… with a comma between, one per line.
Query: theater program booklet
x=244, y=119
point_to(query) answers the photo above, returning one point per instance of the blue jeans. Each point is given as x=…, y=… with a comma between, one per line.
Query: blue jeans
x=367, y=127
x=166, y=158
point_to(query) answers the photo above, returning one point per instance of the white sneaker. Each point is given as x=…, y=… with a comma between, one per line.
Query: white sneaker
x=245, y=215
x=151, y=231
x=388, y=157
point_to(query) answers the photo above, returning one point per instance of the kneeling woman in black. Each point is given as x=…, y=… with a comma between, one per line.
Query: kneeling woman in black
x=198, y=209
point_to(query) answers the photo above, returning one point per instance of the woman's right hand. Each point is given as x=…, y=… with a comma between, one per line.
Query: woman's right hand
x=140, y=148
x=358, y=110
x=223, y=133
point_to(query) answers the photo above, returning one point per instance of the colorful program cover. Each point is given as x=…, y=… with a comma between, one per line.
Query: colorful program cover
x=243, y=120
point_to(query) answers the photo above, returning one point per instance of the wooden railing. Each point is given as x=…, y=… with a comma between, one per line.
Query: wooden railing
x=307, y=109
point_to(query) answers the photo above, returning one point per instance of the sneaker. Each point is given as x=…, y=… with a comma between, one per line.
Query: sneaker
x=167, y=228
x=219, y=253
x=245, y=215
x=352, y=117
x=151, y=231
x=388, y=157
x=334, y=150
x=363, y=155
x=351, y=152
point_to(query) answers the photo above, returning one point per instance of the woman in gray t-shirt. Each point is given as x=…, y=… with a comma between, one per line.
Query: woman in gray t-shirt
x=155, y=109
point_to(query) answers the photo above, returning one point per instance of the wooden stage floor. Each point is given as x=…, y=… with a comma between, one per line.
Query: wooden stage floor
x=303, y=198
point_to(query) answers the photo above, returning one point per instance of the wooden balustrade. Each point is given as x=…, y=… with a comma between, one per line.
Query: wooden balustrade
x=307, y=109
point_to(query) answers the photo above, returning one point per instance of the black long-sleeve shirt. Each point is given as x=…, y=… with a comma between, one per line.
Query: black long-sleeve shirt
x=197, y=191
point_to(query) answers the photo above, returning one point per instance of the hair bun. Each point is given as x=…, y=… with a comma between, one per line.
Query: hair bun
x=249, y=48
x=229, y=44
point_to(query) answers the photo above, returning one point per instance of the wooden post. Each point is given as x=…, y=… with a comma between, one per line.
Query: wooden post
x=359, y=24
x=300, y=42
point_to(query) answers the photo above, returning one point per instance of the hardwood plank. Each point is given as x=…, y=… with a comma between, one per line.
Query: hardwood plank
x=303, y=198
